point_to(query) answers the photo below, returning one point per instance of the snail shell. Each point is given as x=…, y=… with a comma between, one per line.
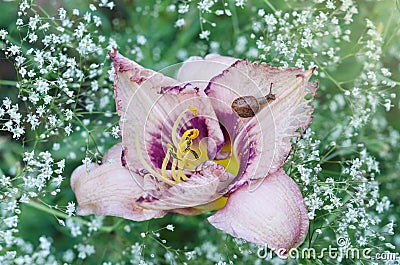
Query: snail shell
x=247, y=106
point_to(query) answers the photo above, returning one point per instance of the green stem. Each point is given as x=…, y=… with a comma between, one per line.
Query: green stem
x=235, y=21
x=348, y=56
x=8, y=82
x=330, y=172
x=59, y=214
x=90, y=135
x=325, y=71
x=94, y=113
x=42, y=207
x=328, y=153
x=270, y=5
x=331, y=78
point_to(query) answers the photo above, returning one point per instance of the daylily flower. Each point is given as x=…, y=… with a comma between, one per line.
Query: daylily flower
x=184, y=150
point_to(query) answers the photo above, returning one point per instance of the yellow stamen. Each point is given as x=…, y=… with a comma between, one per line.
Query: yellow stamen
x=189, y=164
x=165, y=163
x=178, y=120
x=182, y=153
x=186, y=140
x=193, y=110
x=147, y=167
x=173, y=173
x=170, y=152
x=181, y=164
x=191, y=133
x=183, y=147
x=181, y=150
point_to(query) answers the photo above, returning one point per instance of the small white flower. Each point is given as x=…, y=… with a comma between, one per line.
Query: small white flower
x=33, y=21
x=180, y=22
x=97, y=21
x=115, y=132
x=205, y=5
x=68, y=129
x=11, y=221
x=84, y=250
x=240, y=3
x=19, y=22
x=62, y=13
x=204, y=34
x=3, y=34
x=14, y=49
x=68, y=114
x=141, y=40
x=183, y=8
x=386, y=72
x=110, y=5
x=32, y=37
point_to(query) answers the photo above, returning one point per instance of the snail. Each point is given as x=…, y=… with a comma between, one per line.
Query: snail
x=248, y=106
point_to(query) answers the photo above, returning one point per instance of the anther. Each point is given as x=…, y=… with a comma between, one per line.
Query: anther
x=172, y=152
x=196, y=156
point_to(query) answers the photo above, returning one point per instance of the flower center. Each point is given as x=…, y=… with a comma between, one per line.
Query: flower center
x=181, y=152
x=180, y=155
x=184, y=155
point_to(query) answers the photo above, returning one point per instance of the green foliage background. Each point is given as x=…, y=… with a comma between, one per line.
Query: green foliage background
x=164, y=42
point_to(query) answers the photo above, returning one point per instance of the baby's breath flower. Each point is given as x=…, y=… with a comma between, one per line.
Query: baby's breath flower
x=240, y=3
x=206, y=5
x=84, y=250
x=3, y=34
x=70, y=209
x=204, y=34
x=180, y=23
x=141, y=40
x=115, y=131
x=183, y=8
x=14, y=49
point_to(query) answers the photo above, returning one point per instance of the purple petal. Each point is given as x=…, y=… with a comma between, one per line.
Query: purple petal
x=200, y=189
x=200, y=209
x=267, y=136
x=149, y=104
x=109, y=189
x=199, y=71
x=129, y=76
x=113, y=154
x=274, y=214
